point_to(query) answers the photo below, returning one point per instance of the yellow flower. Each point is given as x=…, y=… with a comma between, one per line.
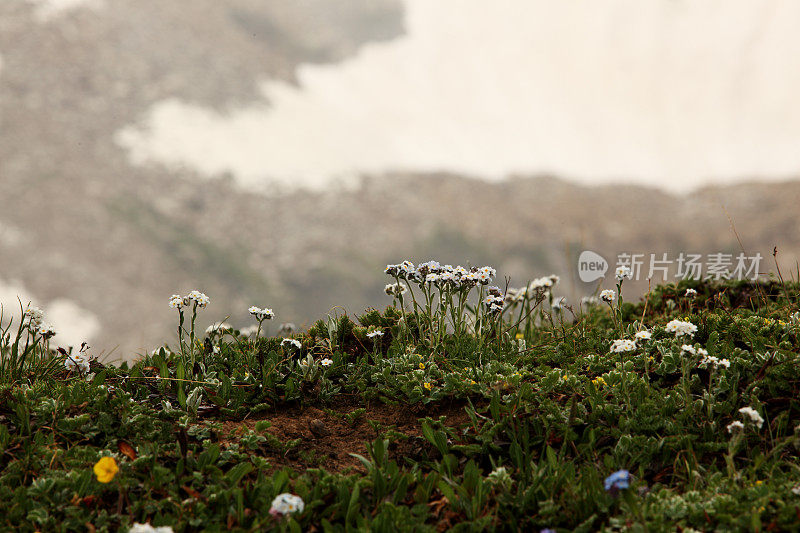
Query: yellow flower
x=105, y=469
x=427, y=385
x=520, y=336
x=422, y=366
x=472, y=382
x=759, y=482
x=599, y=381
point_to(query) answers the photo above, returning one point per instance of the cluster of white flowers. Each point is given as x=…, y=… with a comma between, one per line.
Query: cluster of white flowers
x=516, y=295
x=219, y=327
x=735, y=426
x=752, y=415
x=495, y=301
x=643, y=335
x=285, y=504
x=375, y=333
x=431, y=272
x=544, y=283
x=680, y=328
x=713, y=361
x=690, y=293
x=34, y=317
x=291, y=342
x=608, y=296
x=249, y=330
x=176, y=301
x=395, y=289
x=79, y=361
x=622, y=272
x=623, y=345
x=261, y=314
x=147, y=528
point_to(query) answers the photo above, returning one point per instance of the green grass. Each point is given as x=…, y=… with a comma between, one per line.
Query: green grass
x=521, y=441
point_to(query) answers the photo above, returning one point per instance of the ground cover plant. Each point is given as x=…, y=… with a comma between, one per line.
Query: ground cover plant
x=460, y=406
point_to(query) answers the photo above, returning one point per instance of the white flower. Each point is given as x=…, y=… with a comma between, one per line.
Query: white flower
x=292, y=342
x=541, y=284
x=395, y=289
x=643, y=335
x=623, y=345
x=735, y=426
x=559, y=303
x=286, y=504
x=432, y=278
x=34, y=315
x=326, y=362
x=688, y=348
x=724, y=362
x=590, y=300
x=608, y=296
x=261, y=314
x=680, y=328
x=376, y=333
x=753, y=415
x=249, y=330
x=199, y=298
x=47, y=331
x=690, y=293
x=79, y=361
x=220, y=327
x=147, y=528
x=622, y=272
x=176, y=301
x=216, y=349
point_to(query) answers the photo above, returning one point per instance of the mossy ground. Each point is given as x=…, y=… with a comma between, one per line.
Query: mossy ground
x=399, y=434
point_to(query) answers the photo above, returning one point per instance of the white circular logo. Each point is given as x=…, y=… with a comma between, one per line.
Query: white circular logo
x=591, y=266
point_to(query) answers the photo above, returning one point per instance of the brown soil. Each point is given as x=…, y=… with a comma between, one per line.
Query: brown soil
x=332, y=438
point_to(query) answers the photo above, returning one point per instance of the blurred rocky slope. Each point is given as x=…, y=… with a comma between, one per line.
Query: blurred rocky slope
x=78, y=222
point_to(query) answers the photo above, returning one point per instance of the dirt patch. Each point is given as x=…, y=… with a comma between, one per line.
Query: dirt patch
x=327, y=436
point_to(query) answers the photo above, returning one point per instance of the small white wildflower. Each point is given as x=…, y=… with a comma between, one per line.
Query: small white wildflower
x=590, y=300
x=253, y=310
x=326, y=362
x=796, y=490
x=623, y=345
x=47, y=331
x=218, y=327
x=199, y=298
x=375, y=333
x=559, y=303
x=541, y=284
x=680, y=328
x=608, y=296
x=643, y=335
x=688, y=348
x=753, y=415
x=286, y=503
x=690, y=293
x=292, y=342
x=176, y=301
x=147, y=528
x=724, y=362
x=735, y=426
x=249, y=330
x=622, y=272
x=34, y=315
x=395, y=289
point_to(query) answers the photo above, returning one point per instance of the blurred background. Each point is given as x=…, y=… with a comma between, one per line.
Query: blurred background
x=279, y=154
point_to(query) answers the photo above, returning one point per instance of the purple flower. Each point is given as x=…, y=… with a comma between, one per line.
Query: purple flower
x=619, y=480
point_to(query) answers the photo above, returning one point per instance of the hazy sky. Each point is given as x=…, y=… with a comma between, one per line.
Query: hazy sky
x=672, y=93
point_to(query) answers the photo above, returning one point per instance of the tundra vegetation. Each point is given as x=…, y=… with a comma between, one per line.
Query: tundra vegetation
x=461, y=406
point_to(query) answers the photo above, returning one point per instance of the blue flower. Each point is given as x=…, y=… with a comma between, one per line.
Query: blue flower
x=620, y=479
